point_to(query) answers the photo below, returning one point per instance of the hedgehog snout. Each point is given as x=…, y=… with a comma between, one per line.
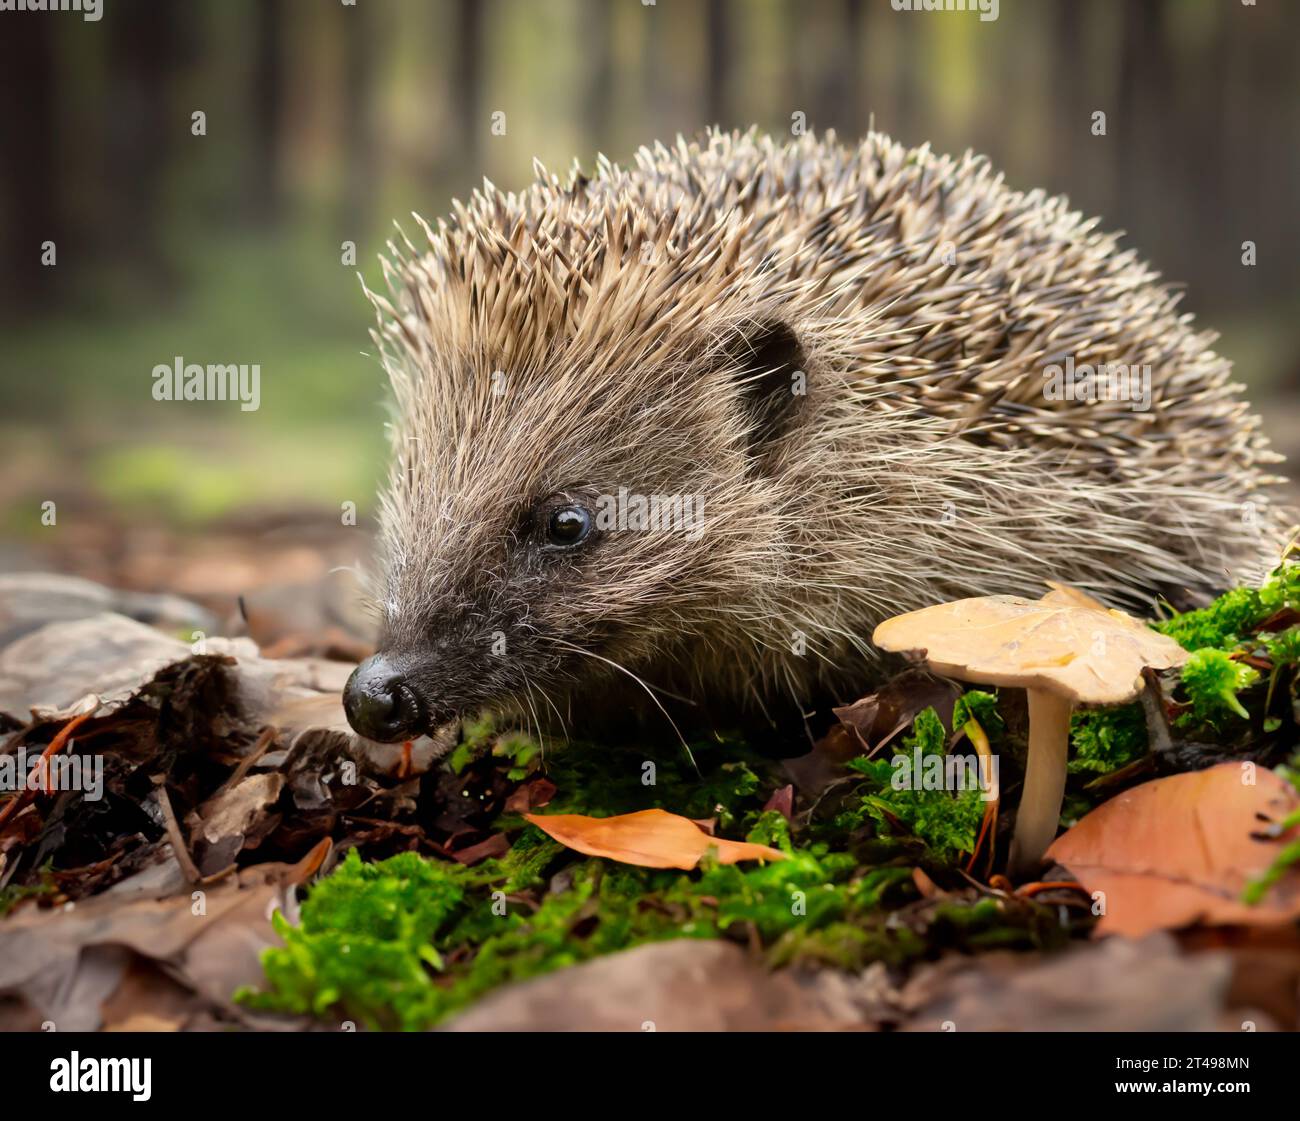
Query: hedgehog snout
x=381, y=704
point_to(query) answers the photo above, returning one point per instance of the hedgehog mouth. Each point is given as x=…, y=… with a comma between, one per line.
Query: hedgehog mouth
x=426, y=719
x=408, y=699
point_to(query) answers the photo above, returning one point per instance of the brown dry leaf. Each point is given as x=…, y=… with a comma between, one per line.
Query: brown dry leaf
x=531, y=795
x=236, y=818
x=868, y=724
x=1113, y=986
x=69, y=964
x=1181, y=850
x=894, y=706
x=1066, y=642
x=496, y=845
x=687, y=984
x=649, y=838
x=782, y=801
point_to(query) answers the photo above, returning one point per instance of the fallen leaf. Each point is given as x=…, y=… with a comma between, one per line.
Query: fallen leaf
x=702, y=985
x=1181, y=850
x=1112, y=986
x=782, y=801
x=238, y=811
x=68, y=963
x=893, y=707
x=30, y=600
x=688, y=984
x=53, y=668
x=824, y=766
x=145, y=1021
x=496, y=845
x=649, y=838
x=531, y=795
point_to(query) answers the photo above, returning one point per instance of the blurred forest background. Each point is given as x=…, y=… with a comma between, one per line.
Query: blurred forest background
x=326, y=120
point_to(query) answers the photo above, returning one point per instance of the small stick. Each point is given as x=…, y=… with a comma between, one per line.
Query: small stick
x=183, y=858
x=55, y=745
x=1159, y=740
x=246, y=764
x=1028, y=890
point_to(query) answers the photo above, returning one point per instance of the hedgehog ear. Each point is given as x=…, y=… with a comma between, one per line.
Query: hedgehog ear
x=771, y=374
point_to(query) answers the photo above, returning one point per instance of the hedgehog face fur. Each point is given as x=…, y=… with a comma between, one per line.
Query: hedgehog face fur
x=514, y=532
x=836, y=357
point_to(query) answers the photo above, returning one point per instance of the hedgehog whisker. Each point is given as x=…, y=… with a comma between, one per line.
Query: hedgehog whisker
x=564, y=727
x=644, y=685
x=537, y=727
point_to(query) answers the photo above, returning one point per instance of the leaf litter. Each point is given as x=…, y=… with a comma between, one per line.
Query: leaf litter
x=231, y=778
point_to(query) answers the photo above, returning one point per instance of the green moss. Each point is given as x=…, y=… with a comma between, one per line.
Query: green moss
x=981, y=709
x=365, y=943
x=540, y=907
x=615, y=780
x=771, y=829
x=991, y=924
x=1283, y=648
x=1225, y=639
x=846, y=945
x=1212, y=680
x=405, y=942
x=13, y=894
x=903, y=803
x=1104, y=739
x=475, y=739
x=468, y=930
x=1216, y=626
x=1235, y=614
x=1288, y=858
x=520, y=751
x=873, y=889
x=524, y=866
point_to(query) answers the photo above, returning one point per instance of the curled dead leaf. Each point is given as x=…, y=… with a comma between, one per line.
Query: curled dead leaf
x=649, y=838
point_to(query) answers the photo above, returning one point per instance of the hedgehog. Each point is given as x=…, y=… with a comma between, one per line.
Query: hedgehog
x=683, y=432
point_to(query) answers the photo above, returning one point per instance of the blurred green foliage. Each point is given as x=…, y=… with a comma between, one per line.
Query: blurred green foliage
x=324, y=122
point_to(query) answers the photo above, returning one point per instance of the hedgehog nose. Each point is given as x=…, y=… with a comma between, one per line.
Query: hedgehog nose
x=379, y=704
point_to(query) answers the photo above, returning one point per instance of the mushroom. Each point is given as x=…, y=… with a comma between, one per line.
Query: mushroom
x=1064, y=649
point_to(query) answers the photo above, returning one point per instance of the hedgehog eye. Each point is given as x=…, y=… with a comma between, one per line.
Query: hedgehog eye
x=569, y=525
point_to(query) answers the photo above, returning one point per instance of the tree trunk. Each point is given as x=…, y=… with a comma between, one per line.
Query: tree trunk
x=30, y=190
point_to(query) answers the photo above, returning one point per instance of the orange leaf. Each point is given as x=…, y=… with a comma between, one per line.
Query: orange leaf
x=649, y=838
x=1180, y=850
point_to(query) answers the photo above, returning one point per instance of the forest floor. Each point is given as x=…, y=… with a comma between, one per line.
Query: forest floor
x=217, y=849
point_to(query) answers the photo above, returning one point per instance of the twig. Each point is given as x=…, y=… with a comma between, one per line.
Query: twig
x=1159, y=740
x=264, y=741
x=182, y=853
x=1026, y=891
x=55, y=745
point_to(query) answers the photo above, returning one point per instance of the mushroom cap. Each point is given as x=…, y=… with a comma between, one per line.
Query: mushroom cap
x=1066, y=643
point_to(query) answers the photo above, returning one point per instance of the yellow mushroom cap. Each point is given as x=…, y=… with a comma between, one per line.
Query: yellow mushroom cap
x=1066, y=643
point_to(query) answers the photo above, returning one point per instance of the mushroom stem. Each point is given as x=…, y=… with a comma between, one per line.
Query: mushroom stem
x=1044, y=790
